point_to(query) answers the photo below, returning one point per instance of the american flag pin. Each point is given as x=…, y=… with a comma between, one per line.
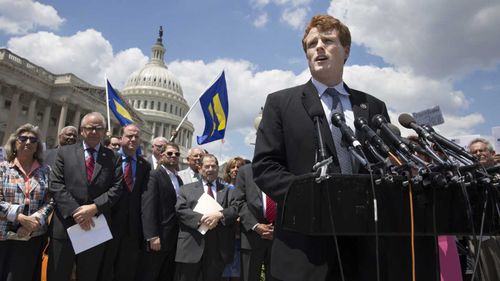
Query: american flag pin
x=364, y=106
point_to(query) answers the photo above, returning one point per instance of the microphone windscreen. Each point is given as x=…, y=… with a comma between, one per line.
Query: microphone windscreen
x=405, y=120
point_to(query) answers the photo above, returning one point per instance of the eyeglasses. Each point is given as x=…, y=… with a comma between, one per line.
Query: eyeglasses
x=170, y=153
x=93, y=128
x=26, y=138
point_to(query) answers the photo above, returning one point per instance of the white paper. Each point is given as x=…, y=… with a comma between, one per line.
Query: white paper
x=206, y=204
x=83, y=240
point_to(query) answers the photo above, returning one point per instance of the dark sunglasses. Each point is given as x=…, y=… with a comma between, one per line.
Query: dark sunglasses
x=26, y=138
x=170, y=153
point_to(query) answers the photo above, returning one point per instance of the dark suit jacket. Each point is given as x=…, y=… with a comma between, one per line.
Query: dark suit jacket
x=49, y=157
x=158, y=210
x=126, y=214
x=251, y=211
x=286, y=147
x=191, y=244
x=70, y=189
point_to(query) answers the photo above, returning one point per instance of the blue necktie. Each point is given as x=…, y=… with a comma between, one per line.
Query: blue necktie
x=343, y=154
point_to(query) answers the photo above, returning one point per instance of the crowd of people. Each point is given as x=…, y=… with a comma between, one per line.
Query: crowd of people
x=150, y=211
x=149, y=205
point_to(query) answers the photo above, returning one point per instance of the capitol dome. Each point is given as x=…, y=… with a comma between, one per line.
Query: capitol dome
x=154, y=91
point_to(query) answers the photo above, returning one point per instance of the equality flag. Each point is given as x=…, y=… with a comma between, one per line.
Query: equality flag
x=214, y=104
x=118, y=106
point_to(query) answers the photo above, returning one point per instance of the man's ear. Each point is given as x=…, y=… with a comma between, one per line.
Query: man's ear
x=347, y=51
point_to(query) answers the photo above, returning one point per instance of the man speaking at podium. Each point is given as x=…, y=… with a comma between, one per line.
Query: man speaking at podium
x=287, y=145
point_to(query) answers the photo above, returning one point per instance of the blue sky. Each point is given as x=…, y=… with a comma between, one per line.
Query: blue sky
x=411, y=55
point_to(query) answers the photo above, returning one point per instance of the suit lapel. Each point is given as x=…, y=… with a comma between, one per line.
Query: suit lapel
x=221, y=193
x=101, y=155
x=310, y=97
x=80, y=161
x=360, y=107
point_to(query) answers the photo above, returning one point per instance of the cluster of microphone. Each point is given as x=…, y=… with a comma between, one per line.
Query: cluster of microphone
x=379, y=146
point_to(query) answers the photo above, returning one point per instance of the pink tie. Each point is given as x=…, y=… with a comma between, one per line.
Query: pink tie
x=270, y=210
x=129, y=179
x=90, y=163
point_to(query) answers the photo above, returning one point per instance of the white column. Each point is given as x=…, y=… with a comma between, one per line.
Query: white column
x=14, y=111
x=32, y=111
x=154, y=129
x=46, y=120
x=62, y=116
x=76, y=118
x=162, y=129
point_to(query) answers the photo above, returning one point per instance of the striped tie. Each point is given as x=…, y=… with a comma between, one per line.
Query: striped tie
x=90, y=163
x=343, y=154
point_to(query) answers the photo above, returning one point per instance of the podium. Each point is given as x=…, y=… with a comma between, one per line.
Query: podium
x=437, y=210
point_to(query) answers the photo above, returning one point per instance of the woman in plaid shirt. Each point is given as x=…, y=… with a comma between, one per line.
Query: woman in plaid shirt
x=24, y=205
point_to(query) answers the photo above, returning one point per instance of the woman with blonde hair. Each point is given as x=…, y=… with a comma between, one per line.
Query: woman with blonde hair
x=24, y=205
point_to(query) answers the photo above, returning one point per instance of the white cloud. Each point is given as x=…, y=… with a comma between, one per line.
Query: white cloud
x=295, y=17
x=435, y=38
x=261, y=20
x=247, y=90
x=87, y=54
x=405, y=92
x=22, y=16
x=293, y=12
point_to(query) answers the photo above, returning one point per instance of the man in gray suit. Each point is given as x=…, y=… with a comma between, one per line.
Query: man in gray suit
x=67, y=136
x=86, y=181
x=203, y=257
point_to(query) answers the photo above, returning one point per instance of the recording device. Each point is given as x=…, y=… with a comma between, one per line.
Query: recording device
x=362, y=124
x=338, y=120
x=449, y=144
x=316, y=111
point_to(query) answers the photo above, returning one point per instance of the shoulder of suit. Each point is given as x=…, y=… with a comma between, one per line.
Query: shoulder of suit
x=289, y=92
x=369, y=98
x=193, y=184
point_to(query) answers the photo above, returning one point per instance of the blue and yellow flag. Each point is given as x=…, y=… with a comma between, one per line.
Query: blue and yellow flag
x=215, y=109
x=118, y=106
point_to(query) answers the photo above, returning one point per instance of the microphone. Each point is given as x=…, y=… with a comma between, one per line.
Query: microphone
x=407, y=121
x=449, y=144
x=362, y=124
x=316, y=111
x=338, y=120
x=381, y=123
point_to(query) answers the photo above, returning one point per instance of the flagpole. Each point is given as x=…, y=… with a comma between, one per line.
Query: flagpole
x=172, y=138
x=107, y=103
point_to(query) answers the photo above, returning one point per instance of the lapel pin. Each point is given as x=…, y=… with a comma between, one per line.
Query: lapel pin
x=104, y=154
x=363, y=106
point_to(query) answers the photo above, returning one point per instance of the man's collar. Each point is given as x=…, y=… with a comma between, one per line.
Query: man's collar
x=124, y=155
x=321, y=88
x=86, y=146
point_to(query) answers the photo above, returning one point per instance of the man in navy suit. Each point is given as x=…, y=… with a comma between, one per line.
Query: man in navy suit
x=286, y=147
x=86, y=181
x=198, y=256
x=123, y=252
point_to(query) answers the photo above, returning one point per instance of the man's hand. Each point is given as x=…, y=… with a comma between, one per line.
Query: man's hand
x=29, y=222
x=211, y=219
x=83, y=216
x=155, y=244
x=265, y=230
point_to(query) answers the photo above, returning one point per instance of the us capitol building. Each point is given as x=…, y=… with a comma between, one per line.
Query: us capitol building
x=31, y=94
